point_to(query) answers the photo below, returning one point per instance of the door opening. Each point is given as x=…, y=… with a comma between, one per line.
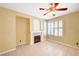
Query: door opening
x=22, y=30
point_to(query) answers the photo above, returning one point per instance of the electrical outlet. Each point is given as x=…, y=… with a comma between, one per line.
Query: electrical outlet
x=77, y=43
x=20, y=41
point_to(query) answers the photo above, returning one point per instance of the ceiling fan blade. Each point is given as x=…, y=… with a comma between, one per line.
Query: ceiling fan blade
x=45, y=14
x=41, y=8
x=56, y=4
x=62, y=9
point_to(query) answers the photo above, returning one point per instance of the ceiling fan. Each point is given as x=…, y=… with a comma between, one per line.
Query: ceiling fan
x=53, y=8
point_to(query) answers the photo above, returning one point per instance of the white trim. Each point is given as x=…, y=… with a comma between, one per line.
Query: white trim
x=21, y=44
x=7, y=51
x=64, y=44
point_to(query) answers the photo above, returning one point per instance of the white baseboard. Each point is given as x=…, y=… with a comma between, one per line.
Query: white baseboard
x=21, y=44
x=64, y=44
x=7, y=51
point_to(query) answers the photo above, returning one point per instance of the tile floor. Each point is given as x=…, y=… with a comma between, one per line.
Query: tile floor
x=45, y=48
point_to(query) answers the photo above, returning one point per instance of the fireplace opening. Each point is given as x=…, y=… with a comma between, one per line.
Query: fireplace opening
x=37, y=39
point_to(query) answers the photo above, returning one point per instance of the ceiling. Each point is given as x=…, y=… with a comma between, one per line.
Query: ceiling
x=33, y=8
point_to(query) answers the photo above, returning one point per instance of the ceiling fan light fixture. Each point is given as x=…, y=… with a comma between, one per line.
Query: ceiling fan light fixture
x=49, y=5
x=52, y=9
x=53, y=13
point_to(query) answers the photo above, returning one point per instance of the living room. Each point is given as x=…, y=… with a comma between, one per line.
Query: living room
x=28, y=30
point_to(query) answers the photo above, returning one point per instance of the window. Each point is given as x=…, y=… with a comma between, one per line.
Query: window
x=60, y=28
x=49, y=28
x=45, y=27
x=55, y=28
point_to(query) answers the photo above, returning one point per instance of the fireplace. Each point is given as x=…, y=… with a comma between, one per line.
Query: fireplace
x=37, y=38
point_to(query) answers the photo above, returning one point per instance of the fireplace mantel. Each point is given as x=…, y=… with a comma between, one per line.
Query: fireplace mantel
x=37, y=34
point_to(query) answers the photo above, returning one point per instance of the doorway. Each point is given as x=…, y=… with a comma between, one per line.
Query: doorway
x=22, y=30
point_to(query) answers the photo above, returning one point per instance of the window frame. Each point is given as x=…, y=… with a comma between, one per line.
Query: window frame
x=54, y=28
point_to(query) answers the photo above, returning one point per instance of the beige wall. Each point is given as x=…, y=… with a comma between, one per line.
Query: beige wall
x=71, y=29
x=8, y=28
